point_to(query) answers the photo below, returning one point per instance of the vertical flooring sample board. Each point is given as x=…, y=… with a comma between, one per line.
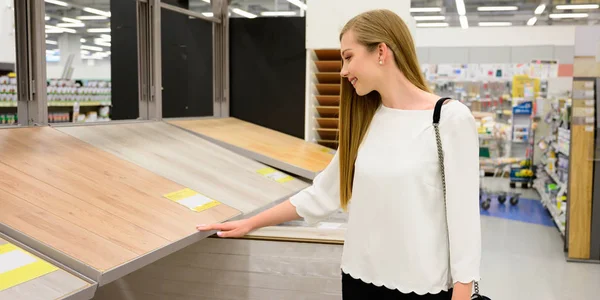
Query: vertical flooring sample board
x=99, y=215
x=185, y=158
x=27, y=276
x=268, y=146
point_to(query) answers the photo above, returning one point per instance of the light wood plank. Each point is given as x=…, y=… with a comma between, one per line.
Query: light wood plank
x=328, y=122
x=328, y=77
x=328, y=133
x=333, y=144
x=266, y=144
x=328, y=89
x=299, y=234
x=328, y=54
x=580, y=191
x=325, y=100
x=55, y=285
x=190, y=160
x=101, y=179
x=328, y=111
x=329, y=66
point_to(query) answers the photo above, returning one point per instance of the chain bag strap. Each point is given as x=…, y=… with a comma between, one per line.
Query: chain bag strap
x=436, y=122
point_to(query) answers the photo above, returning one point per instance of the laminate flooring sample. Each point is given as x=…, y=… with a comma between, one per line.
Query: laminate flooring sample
x=91, y=211
x=26, y=276
x=268, y=146
x=185, y=158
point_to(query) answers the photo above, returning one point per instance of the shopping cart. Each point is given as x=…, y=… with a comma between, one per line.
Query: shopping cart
x=499, y=165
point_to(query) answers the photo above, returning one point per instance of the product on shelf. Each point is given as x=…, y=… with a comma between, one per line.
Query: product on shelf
x=61, y=117
x=8, y=119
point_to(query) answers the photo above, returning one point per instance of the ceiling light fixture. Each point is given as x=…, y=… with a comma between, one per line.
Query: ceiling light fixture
x=244, y=13
x=464, y=23
x=298, y=3
x=429, y=18
x=578, y=6
x=568, y=16
x=208, y=14
x=540, y=9
x=97, y=11
x=425, y=9
x=62, y=25
x=106, y=37
x=278, y=13
x=99, y=43
x=460, y=7
x=93, y=48
x=92, y=17
x=46, y=18
x=497, y=8
x=494, y=24
x=432, y=25
x=54, y=29
x=59, y=3
x=531, y=21
x=70, y=20
x=51, y=42
x=98, y=30
x=82, y=40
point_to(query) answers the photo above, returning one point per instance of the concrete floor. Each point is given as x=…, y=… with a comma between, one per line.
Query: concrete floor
x=523, y=261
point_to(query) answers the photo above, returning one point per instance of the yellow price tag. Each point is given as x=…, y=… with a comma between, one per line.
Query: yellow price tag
x=192, y=200
x=275, y=175
x=18, y=266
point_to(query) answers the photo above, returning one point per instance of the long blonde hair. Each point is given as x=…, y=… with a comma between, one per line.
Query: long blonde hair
x=356, y=112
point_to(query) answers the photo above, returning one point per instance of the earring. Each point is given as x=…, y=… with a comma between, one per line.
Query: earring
x=381, y=62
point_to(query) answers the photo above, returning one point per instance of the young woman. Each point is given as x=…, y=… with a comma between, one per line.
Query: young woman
x=386, y=171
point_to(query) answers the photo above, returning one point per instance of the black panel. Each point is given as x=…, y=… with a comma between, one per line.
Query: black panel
x=268, y=68
x=186, y=66
x=124, y=60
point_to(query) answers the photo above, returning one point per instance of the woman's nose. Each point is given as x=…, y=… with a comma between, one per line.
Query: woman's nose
x=343, y=72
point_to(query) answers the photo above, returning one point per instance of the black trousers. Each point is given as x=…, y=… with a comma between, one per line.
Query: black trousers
x=356, y=289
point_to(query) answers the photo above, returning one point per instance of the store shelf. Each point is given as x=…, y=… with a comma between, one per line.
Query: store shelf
x=329, y=66
x=328, y=122
x=328, y=54
x=328, y=111
x=330, y=77
x=328, y=89
x=61, y=104
x=328, y=133
x=555, y=177
x=325, y=100
x=554, y=212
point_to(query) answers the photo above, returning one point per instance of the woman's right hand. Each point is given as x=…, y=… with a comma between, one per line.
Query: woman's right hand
x=229, y=229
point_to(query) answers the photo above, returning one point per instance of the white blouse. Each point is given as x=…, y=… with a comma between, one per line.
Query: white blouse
x=397, y=234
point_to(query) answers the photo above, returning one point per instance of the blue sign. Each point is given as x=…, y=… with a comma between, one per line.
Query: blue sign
x=524, y=108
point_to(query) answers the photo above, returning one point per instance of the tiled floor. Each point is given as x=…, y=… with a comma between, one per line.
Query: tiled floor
x=525, y=261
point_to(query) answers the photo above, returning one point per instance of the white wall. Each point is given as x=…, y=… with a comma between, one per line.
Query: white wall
x=101, y=70
x=587, y=41
x=495, y=36
x=323, y=26
x=7, y=34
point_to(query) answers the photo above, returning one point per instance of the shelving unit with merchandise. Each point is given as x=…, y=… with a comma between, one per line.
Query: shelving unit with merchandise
x=324, y=90
x=8, y=101
x=553, y=170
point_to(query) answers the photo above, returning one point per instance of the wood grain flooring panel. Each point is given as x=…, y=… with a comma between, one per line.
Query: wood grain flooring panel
x=299, y=234
x=190, y=160
x=101, y=179
x=262, y=141
x=76, y=211
x=70, y=239
x=55, y=285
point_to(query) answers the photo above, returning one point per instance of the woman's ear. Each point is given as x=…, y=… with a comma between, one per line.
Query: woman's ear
x=382, y=50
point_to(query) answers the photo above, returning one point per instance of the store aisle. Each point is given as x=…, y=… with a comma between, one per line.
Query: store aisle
x=523, y=261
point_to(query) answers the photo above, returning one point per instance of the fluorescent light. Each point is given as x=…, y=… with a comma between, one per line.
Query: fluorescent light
x=85, y=52
x=93, y=48
x=531, y=21
x=102, y=43
x=208, y=14
x=98, y=30
x=464, y=23
x=460, y=7
x=106, y=37
x=278, y=13
x=54, y=29
x=432, y=24
x=244, y=13
x=298, y=3
x=92, y=17
x=540, y=9
x=97, y=11
x=568, y=16
x=425, y=9
x=59, y=3
x=62, y=25
x=207, y=1
x=497, y=8
x=429, y=18
x=82, y=40
x=578, y=6
x=51, y=42
x=70, y=20
x=494, y=24
x=46, y=18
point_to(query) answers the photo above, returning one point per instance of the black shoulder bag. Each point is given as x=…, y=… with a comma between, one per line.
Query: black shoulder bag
x=436, y=122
